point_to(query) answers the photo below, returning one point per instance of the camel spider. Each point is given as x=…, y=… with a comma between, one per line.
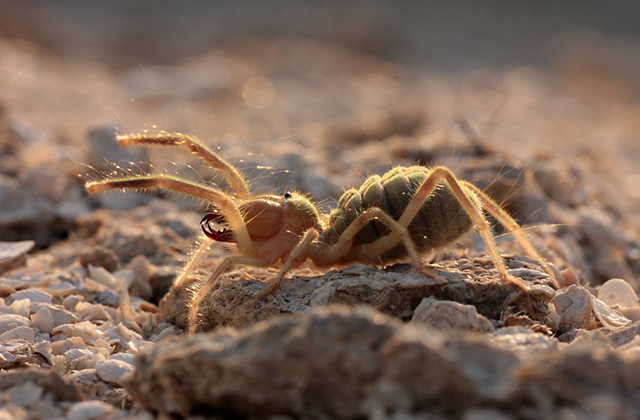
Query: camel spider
x=405, y=212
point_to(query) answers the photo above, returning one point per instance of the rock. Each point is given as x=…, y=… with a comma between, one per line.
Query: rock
x=34, y=295
x=523, y=342
x=58, y=314
x=46, y=379
x=25, y=394
x=143, y=272
x=304, y=373
x=11, y=321
x=15, y=352
x=113, y=370
x=14, y=254
x=29, y=202
x=43, y=320
x=102, y=276
x=91, y=384
x=447, y=315
x=100, y=257
x=396, y=291
x=89, y=410
x=355, y=362
x=574, y=309
x=19, y=333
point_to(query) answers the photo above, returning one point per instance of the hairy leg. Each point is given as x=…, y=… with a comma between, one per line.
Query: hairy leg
x=212, y=280
x=482, y=225
x=364, y=252
x=512, y=226
x=193, y=261
x=174, y=183
x=295, y=258
x=233, y=177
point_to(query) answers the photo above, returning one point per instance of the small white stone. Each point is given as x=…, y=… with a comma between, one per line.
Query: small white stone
x=448, y=315
x=25, y=394
x=21, y=307
x=19, y=333
x=11, y=321
x=35, y=295
x=89, y=410
x=63, y=288
x=59, y=315
x=85, y=330
x=113, y=370
x=141, y=267
x=102, y=276
x=43, y=320
x=618, y=292
x=70, y=302
x=124, y=357
x=13, y=254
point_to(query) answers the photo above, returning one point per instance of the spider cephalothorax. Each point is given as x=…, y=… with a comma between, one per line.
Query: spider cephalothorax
x=405, y=212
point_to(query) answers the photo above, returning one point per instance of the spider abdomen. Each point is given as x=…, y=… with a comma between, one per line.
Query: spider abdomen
x=440, y=221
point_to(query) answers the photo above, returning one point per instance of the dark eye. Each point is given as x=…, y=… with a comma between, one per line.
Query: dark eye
x=287, y=195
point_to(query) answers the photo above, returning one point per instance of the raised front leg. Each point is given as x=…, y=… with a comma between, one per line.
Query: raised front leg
x=189, y=142
x=174, y=183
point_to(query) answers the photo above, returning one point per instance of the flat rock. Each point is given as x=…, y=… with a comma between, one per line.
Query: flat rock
x=395, y=291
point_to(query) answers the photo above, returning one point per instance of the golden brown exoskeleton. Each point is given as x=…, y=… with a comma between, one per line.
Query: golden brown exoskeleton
x=405, y=212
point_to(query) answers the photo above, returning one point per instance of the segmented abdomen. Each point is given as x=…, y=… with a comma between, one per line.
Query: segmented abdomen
x=440, y=221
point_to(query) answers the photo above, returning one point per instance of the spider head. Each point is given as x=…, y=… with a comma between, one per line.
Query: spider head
x=265, y=217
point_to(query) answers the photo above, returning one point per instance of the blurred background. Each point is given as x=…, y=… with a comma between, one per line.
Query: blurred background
x=446, y=36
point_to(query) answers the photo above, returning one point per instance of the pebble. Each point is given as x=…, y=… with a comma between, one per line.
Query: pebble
x=89, y=410
x=100, y=257
x=124, y=357
x=14, y=352
x=43, y=320
x=121, y=335
x=21, y=307
x=572, y=308
x=70, y=302
x=618, y=292
x=34, y=295
x=103, y=276
x=62, y=288
x=59, y=314
x=113, y=370
x=11, y=321
x=451, y=316
x=10, y=285
x=14, y=254
x=85, y=330
x=25, y=394
x=20, y=333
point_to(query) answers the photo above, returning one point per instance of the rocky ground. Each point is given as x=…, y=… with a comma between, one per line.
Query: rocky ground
x=91, y=328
